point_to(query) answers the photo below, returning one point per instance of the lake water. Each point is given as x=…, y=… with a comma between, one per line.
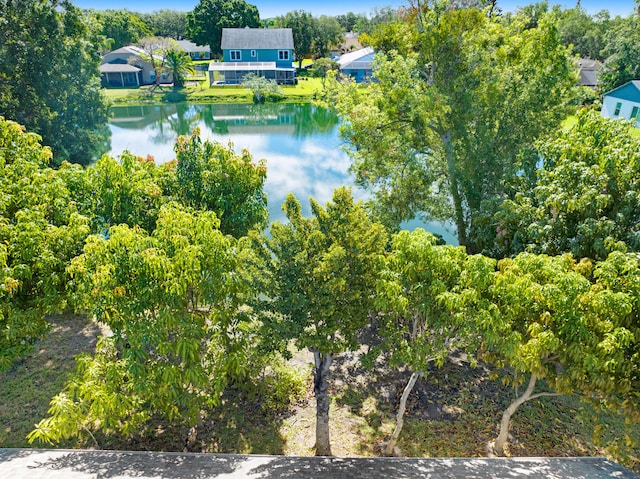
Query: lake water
x=300, y=144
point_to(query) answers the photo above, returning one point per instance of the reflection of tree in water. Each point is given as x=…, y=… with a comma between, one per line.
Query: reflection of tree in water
x=314, y=119
x=175, y=120
x=305, y=119
x=166, y=122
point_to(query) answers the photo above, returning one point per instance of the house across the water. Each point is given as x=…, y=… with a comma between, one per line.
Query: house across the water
x=623, y=102
x=195, y=52
x=128, y=67
x=357, y=64
x=267, y=52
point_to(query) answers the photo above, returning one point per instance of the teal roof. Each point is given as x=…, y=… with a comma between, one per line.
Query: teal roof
x=630, y=91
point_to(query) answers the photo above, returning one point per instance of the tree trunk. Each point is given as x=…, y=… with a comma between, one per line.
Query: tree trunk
x=323, y=401
x=455, y=191
x=400, y=417
x=528, y=395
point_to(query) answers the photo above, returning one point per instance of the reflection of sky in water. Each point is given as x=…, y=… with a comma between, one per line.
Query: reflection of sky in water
x=306, y=164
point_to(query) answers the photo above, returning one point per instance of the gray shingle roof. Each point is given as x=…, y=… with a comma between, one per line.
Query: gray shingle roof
x=189, y=46
x=256, y=38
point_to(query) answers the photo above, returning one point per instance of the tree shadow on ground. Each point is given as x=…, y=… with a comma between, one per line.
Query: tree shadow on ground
x=27, y=388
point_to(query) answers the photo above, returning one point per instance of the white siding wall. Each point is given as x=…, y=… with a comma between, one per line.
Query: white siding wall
x=626, y=108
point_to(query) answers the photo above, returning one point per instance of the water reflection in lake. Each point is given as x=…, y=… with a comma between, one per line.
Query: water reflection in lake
x=299, y=142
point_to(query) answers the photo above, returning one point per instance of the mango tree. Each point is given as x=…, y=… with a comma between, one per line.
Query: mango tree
x=40, y=232
x=210, y=176
x=174, y=301
x=585, y=198
x=555, y=325
x=428, y=297
x=323, y=274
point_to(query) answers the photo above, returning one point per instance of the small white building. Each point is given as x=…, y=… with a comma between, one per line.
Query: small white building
x=623, y=102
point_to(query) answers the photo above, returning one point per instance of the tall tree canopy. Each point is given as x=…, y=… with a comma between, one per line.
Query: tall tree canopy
x=121, y=27
x=167, y=23
x=443, y=126
x=303, y=28
x=49, y=77
x=209, y=17
x=622, y=50
x=174, y=302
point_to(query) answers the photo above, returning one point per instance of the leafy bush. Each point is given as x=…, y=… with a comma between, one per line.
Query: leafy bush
x=264, y=89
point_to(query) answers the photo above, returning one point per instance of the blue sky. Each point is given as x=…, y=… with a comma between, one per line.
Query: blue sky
x=271, y=8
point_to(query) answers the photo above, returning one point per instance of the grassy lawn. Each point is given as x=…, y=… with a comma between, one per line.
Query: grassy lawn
x=305, y=90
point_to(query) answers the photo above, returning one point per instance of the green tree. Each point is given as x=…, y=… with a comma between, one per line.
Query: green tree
x=622, y=50
x=209, y=17
x=178, y=64
x=442, y=128
x=40, y=231
x=121, y=27
x=328, y=34
x=553, y=322
x=128, y=190
x=156, y=51
x=583, y=200
x=210, y=176
x=167, y=23
x=174, y=301
x=49, y=76
x=582, y=32
x=303, y=29
x=429, y=299
x=264, y=89
x=322, y=281
x=322, y=66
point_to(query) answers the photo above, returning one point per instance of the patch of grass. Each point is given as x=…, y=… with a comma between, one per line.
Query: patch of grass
x=306, y=89
x=27, y=388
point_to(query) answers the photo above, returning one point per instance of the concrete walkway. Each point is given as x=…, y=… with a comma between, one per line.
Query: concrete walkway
x=80, y=464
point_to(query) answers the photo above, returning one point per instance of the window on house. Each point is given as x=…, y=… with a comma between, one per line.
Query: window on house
x=235, y=55
x=253, y=53
x=635, y=114
x=618, y=107
x=283, y=54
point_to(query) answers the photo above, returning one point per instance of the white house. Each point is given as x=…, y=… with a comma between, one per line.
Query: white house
x=623, y=102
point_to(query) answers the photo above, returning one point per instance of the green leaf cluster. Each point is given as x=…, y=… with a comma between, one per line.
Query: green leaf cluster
x=40, y=231
x=584, y=199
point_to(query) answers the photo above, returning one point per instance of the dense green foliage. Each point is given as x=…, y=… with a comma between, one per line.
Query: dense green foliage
x=322, y=274
x=176, y=266
x=583, y=200
x=49, y=77
x=40, y=231
x=172, y=301
x=121, y=27
x=213, y=177
x=455, y=107
x=206, y=21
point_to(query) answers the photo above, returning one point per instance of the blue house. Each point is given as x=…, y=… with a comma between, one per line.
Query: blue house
x=357, y=65
x=267, y=52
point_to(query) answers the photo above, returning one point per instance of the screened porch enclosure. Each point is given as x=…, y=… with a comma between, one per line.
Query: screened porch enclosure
x=232, y=73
